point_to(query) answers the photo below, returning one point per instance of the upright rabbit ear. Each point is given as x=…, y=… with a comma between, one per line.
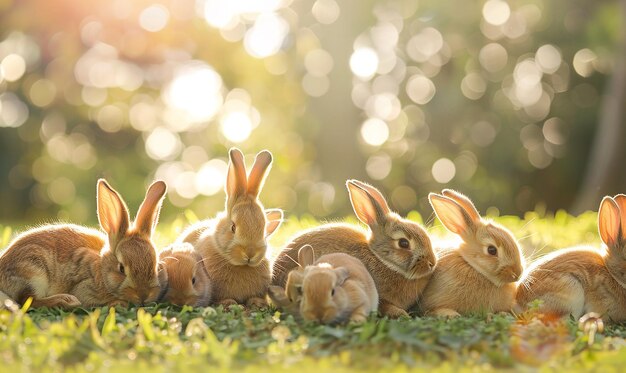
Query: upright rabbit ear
x=236, y=180
x=342, y=275
x=112, y=213
x=306, y=256
x=609, y=222
x=148, y=213
x=620, y=199
x=465, y=202
x=368, y=203
x=452, y=215
x=274, y=218
x=259, y=171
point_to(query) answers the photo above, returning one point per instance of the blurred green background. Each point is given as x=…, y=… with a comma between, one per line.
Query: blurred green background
x=519, y=104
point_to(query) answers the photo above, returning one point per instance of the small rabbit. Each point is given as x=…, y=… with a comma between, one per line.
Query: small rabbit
x=335, y=288
x=397, y=252
x=233, y=245
x=65, y=265
x=188, y=282
x=584, y=281
x=479, y=274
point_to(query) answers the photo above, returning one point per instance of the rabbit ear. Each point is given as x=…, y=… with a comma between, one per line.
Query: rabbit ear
x=274, y=218
x=465, y=202
x=148, y=213
x=368, y=203
x=342, y=275
x=452, y=215
x=236, y=180
x=260, y=169
x=620, y=199
x=609, y=222
x=306, y=256
x=112, y=213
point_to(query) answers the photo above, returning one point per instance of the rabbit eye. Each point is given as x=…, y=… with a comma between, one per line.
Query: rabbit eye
x=120, y=266
x=404, y=243
x=491, y=250
x=193, y=281
x=233, y=228
x=332, y=292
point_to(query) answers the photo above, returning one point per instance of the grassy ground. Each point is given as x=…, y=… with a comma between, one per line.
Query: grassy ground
x=166, y=338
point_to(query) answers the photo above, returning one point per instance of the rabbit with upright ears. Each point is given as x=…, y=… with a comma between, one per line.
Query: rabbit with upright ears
x=65, y=265
x=188, y=282
x=397, y=252
x=335, y=288
x=233, y=245
x=585, y=282
x=478, y=275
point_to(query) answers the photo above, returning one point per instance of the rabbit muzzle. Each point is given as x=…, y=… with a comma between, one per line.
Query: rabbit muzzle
x=248, y=256
x=510, y=274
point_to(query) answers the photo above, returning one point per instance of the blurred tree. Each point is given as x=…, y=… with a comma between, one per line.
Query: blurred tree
x=498, y=99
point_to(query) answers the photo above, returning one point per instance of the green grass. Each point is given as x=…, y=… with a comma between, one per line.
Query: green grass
x=167, y=338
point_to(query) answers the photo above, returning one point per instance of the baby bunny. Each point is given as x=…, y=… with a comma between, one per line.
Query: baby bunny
x=584, y=282
x=233, y=245
x=188, y=281
x=397, y=252
x=65, y=265
x=335, y=288
x=479, y=274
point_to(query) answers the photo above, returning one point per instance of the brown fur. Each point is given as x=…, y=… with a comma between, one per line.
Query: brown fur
x=188, y=281
x=400, y=274
x=336, y=288
x=582, y=280
x=468, y=278
x=236, y=261
x=67, y=265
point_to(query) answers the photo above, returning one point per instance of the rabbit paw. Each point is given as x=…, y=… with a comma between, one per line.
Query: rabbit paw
x=256, y=303
x=358, y=318
x=58, y=300
x=445, y=312
x=391, y=311
x=591, y=323
x=118, y=303
x=227, y=303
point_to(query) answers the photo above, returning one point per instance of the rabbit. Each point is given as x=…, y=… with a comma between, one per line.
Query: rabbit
x=335, y=288
x=478, y=275
x=66, y=265
x=585, y=282
x=188, y=282
x=397, y=252
x=233, y=245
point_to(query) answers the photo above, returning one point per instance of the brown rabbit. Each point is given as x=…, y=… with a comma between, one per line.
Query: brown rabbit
x=335, y=288
x=187, y=279
x=584, y=280
x=397, y=252
x=64, y=265
x=233, y=245
x=479, y=274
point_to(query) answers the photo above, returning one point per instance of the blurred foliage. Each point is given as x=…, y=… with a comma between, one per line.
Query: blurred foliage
x=498, y=99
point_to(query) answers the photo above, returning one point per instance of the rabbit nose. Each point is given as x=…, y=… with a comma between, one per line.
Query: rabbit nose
x=431, y=265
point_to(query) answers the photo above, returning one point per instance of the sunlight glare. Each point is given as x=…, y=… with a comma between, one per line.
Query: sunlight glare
x=374, y=131
x=266, y=36
x=210, y=177
x=196, y=90
x=364, y=63
x=236, y=126
x=443, y=170
x=154, y=18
